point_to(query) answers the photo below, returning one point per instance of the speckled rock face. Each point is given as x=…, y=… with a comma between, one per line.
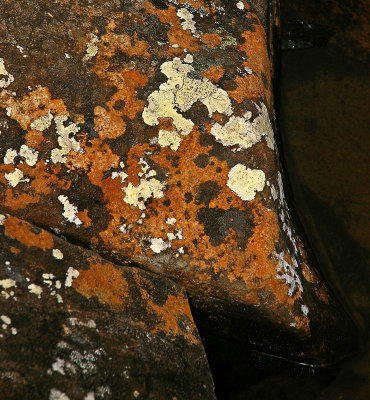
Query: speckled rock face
x=145, y=129
x=72, y=323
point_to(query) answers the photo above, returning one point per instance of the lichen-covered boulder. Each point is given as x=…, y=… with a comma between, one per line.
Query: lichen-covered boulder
x=145, y=129
x=74, y=326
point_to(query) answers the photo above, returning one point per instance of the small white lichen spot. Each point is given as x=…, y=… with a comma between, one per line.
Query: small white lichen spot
x=171, y=221
x=70, y=275
x=56, y=394
x=187, y=17
x=240, y=5
x=158, y=244
x=2, y=218
x=6, y=319
x=70, y=211
x=273, y=192
x=13, y=331
x=30, y=155
x=14, y=177
x=90, y=396
x=136, y=394
x=65, y=140
x=42, y=123
x=57, y=254
x=7, y=283
x=188, y=59
x=91, y=47
x=304, y=309
x=35, y=289
x=245, y=182
x=48, y=276
x=5, y=82
x=10, y=156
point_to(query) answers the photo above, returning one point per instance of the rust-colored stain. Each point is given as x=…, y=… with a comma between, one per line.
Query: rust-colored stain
x=22, y=231
x=103, y=281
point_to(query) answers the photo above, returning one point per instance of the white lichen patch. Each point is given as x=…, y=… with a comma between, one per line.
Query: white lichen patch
x=9, y=78
x=35, y=289
x=170, y=221
x=187, y=17
x=70, y=210
x=57, y=254
x=288, y=273
x=137, y=195
x=14, y=177
x=10, y=156
x=29, y=154
x=157, y=245
x=70, y=275
x=56, y=394
x=304, y=309
x=91, y=47
x=179, y=93
x=240, y=5
x=122, y=175
x=8, y=283
x=245, y=182
x=6, y=319
x=65, y=139
x=2, y=218
x=239, y=131
x=42, y=123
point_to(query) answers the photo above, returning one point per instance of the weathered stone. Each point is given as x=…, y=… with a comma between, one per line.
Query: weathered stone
x=75, y=325
x=148, y=126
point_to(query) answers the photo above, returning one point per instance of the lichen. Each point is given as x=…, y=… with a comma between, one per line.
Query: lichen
x=245, y=182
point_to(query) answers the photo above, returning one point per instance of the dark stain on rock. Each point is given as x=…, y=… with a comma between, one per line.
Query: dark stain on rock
x=218, y=224
x=201, y=161
x=206, y=192
x=188, y=197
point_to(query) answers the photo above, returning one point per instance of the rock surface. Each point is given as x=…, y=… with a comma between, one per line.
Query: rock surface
x=145, y=130
x=75, y=324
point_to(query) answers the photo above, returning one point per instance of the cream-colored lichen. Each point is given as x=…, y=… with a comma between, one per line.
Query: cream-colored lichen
x=42, y=123
x=9, y=78
x=10, y=156
x=187, y=17
x=35, y=289
x=70, y=210
x=70, y=275
x=157, y=245
x=29, y=154
x=243, y=133
x=57, y=254
x=14, y=177
x=91, y=47
x=245, y=182
x=179, y=93
x=147, y=188
x=65, y=139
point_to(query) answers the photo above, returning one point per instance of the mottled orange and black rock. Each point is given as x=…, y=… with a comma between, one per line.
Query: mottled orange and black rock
x=76, y=324
x=146, y=130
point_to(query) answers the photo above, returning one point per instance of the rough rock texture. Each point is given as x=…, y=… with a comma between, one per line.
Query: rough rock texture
x=146, y=130
x=76, y=324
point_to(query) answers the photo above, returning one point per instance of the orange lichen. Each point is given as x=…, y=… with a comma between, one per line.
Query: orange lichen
x=214, y=74
x=82, y=215
x=103, y=281
x=170, y=312
x=22, y=231
x=211, y=39
x=255, y=47
x=15, y=250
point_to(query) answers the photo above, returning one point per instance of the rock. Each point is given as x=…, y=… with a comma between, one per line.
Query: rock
x=146, y=130
x=75, y=326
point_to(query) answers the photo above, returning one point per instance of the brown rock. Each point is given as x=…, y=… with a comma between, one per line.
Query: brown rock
x=75, y=324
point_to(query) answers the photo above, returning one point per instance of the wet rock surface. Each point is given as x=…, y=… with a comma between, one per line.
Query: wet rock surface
x=75, y=324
